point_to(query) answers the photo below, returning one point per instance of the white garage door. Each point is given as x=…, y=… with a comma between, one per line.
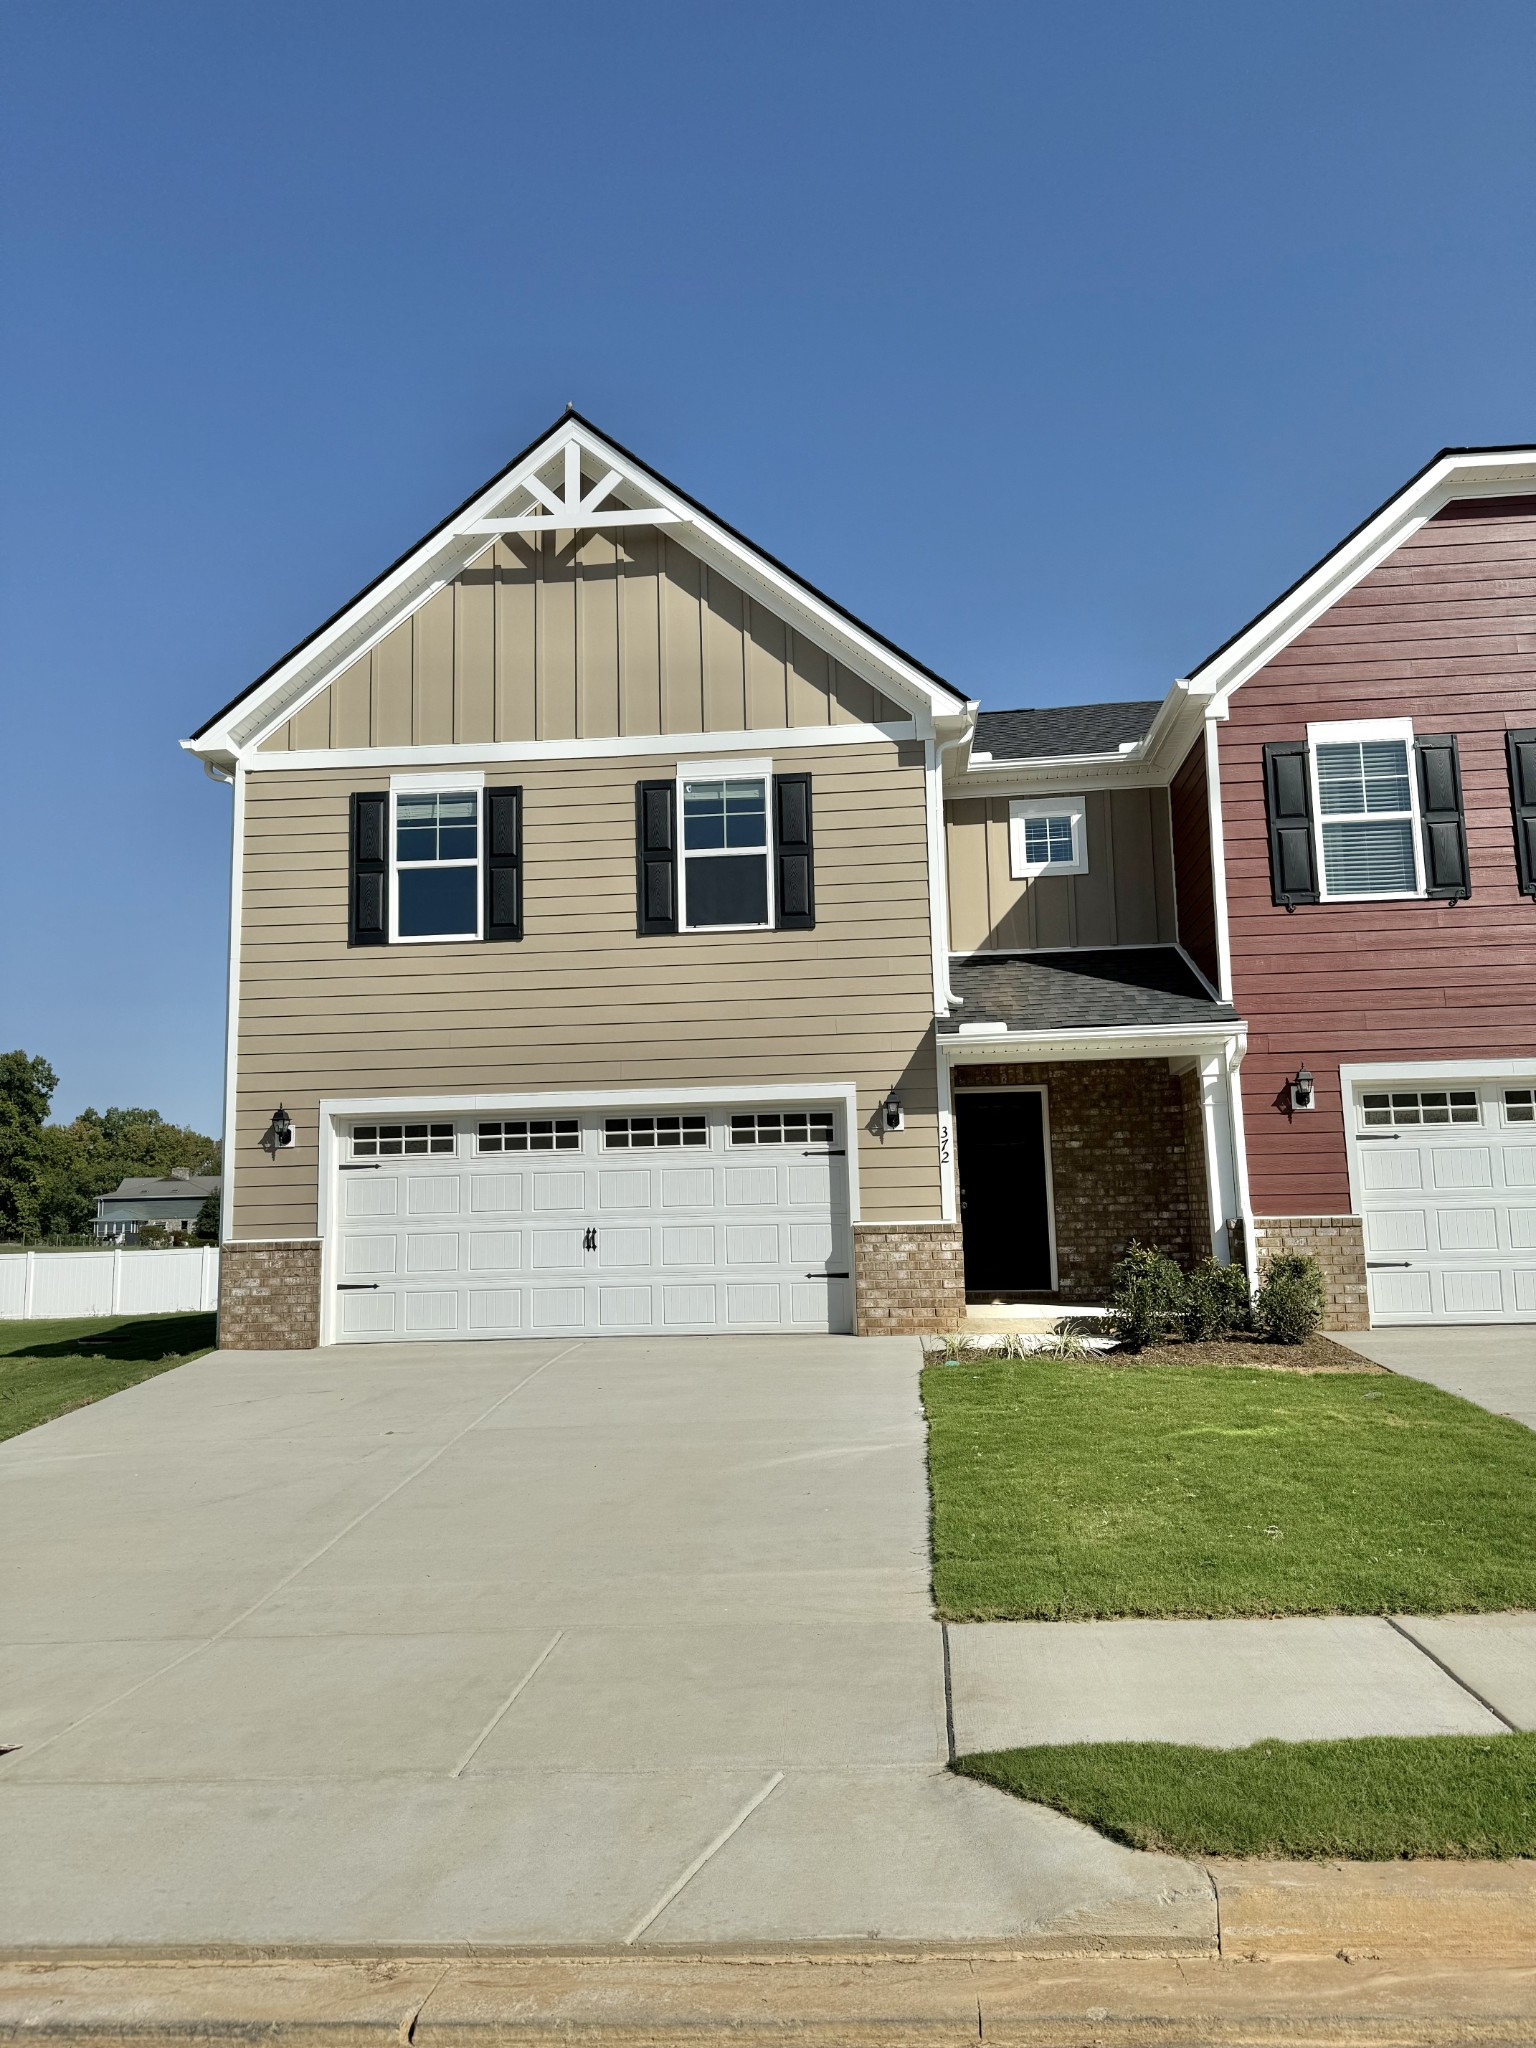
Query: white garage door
x=1448, y=1198
x=605, y=1224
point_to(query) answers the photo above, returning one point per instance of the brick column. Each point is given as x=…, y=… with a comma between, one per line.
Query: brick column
x=1338, y=1245
x=909, y=1279
x=269, y=1295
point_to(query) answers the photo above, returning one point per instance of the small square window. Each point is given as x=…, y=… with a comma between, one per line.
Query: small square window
x=1520, y=1105
x=1047, y=836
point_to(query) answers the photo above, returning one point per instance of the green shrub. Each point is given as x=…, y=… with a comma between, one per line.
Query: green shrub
x=1290, y=1303
x=1215, y=1301
x=1146, y=1296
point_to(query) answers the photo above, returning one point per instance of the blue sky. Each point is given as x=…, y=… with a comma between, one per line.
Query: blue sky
x=1054, y=341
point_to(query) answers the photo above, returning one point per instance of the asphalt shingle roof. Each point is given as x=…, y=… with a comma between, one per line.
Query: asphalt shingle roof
x=1092, y=989
x=1062, y=729
x=198, y=1184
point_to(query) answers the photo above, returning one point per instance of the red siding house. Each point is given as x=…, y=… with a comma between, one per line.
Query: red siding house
x=1344, y=797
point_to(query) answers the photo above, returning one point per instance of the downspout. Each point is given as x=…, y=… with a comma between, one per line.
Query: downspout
x=938, y=857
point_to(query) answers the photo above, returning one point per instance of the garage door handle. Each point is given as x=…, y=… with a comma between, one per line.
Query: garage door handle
x=1381, y=1265
x=589, y=1242
x=826, y=1276
x=357, y=1286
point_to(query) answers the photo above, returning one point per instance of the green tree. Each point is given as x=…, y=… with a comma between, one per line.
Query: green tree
x=27, y=1083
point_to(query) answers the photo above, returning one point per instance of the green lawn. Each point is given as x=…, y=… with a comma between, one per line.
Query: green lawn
x=1373, y=1797
x=1065, y=1489
x=47, y=1368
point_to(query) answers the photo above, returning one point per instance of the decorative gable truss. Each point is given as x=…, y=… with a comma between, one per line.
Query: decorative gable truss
x=578, y=598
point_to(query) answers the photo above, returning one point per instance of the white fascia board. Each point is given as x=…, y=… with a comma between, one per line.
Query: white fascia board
x=660, y=746
x=1504, y=473
x=438, y=560
x=1141, y=1041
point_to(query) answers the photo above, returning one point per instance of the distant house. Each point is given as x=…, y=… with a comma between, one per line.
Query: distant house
x=132, y=1203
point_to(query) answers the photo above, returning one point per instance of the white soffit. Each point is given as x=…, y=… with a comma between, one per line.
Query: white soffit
x=572, y=479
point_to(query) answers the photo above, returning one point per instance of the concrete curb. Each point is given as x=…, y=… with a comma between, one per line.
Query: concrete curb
x=1410, y=1953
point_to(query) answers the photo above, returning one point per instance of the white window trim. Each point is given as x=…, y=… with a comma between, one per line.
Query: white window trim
x=760, y=770
x=436, y=785
x=1342, y=733
x=1021, y=808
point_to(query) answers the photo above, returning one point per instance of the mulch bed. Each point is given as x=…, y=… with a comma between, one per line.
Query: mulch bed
x=1318, y=1354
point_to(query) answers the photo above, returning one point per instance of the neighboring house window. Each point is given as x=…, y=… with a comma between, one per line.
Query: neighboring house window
x=645, y=1133
x=1420, y=1106
x=437, y=889
x=400, y=1141
x=1520, y=1105
x=726, y=875
x=1047, y=836
x=1367, y=811
x=783, y=1127
x=539, y=1134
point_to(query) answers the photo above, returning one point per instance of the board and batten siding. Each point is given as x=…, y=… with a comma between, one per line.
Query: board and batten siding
x=1444, y=632
x=560, y=636
x=1193, y=880
x=1125, y=899
x=581, y=1001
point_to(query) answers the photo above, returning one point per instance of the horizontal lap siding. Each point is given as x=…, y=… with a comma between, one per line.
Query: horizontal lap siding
x=561, y=636
x=582, y=1002
x=1443, y=632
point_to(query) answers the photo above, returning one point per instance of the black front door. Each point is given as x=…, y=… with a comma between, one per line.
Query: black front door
x=1004, y=1213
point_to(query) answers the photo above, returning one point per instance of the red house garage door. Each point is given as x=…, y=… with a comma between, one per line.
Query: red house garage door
x=1446, y=1173
x=609, y=1224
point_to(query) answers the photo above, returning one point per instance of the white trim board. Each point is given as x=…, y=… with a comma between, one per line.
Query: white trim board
x=662, y=746
x=1147, y=1041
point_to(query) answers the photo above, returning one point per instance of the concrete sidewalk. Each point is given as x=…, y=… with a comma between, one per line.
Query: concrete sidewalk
x=1228, y=1683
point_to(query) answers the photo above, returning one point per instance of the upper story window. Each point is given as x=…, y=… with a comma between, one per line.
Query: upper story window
x=726, y=871
x=437, y=888
x=1047, y=836
x=1366, y=808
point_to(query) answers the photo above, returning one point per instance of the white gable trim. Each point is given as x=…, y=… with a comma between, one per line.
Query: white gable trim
x=521, y=500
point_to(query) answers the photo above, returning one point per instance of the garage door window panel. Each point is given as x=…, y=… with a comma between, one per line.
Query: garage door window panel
x=783, y=1127
x=525, y=1134
x=648, y=1133
x=402, y=1141
x=1416, y=1107
x=437, y=880
x=1520, y=1105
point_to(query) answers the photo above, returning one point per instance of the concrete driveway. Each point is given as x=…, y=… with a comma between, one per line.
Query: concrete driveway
x=603, y=1643
x=1493, y=1365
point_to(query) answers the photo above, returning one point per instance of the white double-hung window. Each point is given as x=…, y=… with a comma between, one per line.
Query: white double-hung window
x=1366, y=806
x=435, y=859
x=1047, y=835
x=727, y=874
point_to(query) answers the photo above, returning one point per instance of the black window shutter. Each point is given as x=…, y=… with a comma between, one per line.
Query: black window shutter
x=795, y=871
x=368, y=895
x=1288, y=801
x=1444, y=829
x=1522, y=794
x=503, y=863
x=656, y=858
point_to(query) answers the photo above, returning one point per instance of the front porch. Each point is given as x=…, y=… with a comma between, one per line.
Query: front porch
x=1094, y=1105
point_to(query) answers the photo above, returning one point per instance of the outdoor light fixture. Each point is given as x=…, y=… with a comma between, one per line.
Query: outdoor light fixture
x=1303, y=1091
x=278, y=1134
x=892, y=1117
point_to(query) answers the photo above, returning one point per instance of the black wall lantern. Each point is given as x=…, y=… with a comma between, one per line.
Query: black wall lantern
x=892, y=1116
x=1303, y=1090
x=278, y=1134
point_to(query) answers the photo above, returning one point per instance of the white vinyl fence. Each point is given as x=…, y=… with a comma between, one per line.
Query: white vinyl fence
x=108, y=1283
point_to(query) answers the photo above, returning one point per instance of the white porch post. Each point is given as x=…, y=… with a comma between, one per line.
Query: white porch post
x=1223, y=1174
